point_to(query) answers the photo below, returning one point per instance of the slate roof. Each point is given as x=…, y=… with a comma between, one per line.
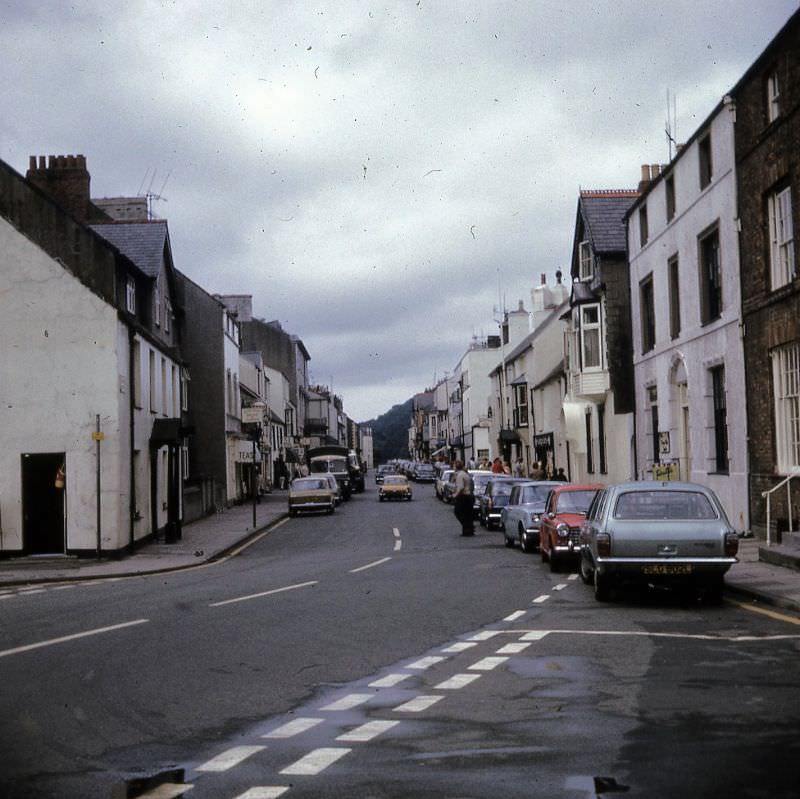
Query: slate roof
x=603, y=213
x=142, y=242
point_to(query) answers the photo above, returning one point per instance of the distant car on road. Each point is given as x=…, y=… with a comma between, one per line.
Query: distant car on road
x=522, y=517
x=424, y=473
x=560, y=537
x=311, y=494
x=382, y=471
x=657, y=533
x=395, y=486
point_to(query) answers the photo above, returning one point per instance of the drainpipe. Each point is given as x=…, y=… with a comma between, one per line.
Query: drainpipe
x=131, y=411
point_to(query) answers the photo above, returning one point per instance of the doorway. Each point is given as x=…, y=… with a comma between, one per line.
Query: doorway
x=43, y=527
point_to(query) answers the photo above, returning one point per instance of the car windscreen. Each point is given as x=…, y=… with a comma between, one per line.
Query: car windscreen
x=480, y=481
x=309, y=484
x=575, y=501
x=329, y=465
x=502, y=489
x=392, y=480
x=654, y=505
x=535, y=493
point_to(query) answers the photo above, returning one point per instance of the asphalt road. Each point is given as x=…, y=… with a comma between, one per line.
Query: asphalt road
x=409, y=661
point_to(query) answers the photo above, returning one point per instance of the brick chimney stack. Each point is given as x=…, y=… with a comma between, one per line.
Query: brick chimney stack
x=66, y=179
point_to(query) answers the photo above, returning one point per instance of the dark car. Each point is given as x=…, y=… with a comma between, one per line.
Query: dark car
x=479, y=481
x=382, y=471
x=424, y=473
x=494, y=498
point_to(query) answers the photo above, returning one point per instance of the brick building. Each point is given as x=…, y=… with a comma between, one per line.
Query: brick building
x=767, y=100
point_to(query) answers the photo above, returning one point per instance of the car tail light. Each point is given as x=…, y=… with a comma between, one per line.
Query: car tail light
x=603, y=545
x=731, y=544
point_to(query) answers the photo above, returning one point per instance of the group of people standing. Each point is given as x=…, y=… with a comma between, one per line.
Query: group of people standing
x=463, y=495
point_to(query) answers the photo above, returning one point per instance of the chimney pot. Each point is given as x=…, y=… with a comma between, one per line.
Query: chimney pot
x=645, y=172
x=543, y=279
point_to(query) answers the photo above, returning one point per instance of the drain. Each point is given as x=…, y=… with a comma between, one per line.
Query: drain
x=164, y=785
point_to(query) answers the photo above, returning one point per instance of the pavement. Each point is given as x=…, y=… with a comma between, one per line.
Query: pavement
x=765, y=575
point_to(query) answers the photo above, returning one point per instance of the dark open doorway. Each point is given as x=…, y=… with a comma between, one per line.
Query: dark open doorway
x=42, y=504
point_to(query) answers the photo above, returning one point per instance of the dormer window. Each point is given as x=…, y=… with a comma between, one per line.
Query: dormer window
x=130, y=295
x=586, y=259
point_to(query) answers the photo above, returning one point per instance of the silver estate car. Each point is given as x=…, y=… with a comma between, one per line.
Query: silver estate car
x=657, y=533
x=521, y=518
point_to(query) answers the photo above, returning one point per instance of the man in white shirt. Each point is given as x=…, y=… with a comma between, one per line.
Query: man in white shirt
x=462, y=499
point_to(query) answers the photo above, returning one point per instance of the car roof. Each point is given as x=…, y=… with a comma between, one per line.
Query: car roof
x=660, y=485
x=564, y=487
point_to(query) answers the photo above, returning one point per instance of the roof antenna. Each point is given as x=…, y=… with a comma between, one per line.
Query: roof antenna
x=671, y=125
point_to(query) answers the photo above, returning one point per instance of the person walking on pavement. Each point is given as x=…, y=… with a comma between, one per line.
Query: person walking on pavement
x=497, y=466
x=537, y=473
x=462, y=499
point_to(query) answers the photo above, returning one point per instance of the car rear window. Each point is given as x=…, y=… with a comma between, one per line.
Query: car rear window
x=653, y=505
x=394, y=480
x=309, y=484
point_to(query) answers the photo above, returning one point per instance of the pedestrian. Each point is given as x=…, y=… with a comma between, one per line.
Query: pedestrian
x=519, y=468
x=497, y=466
x=559, y=475
x=471, y=463
x=537, y=473
x=463, y=500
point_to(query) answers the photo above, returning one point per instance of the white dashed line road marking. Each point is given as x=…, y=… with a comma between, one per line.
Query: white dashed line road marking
x=461, y=646
x=294, y=727
x=398, y=545
x=485, y=635
x=515, y=615
x=487, y=664
x=369, y=565
x=395, y=532
x=419, y=704
x=73, y=637
x=230, y=758
x=426, y=662
x=534, y=635
x=264, y=792
x=31, y=591
x=512, y=649
x=368, y=731
x=348, y=702
x=456, y=681
x=316, y=761
x=540, y=599
x=559, y=587
x=6, y=596
x=573, y=577
x=389, y=680
x=262, y=593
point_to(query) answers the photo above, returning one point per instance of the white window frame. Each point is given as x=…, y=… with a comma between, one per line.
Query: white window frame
x=157, y=304
x=773, y=97
x=786, y=382
x=130, y=295
x=585, y=328
x=586, y=259
x=781, y=238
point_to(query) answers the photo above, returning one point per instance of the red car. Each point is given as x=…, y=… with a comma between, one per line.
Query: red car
x=560, y=536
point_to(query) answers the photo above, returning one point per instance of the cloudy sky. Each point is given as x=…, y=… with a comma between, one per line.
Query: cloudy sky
x=378, y=175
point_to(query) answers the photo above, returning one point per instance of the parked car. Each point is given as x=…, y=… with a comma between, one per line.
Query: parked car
x=424, y=473
x=313, y=493
x=521, y=518
x=566, y=508
x=494, y=498
x=395, y=486
x=479, y=481
x=443, y=477
x=658, y=533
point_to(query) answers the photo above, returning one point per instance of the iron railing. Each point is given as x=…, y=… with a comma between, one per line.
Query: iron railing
x=768, y=496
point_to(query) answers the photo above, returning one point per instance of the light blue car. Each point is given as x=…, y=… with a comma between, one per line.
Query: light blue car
x=521, y=518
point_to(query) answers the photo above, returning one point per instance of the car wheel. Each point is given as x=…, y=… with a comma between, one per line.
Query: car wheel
x=585, y=570
x=602, y=591
x=330, y=510
x=509, y=542
x=524, y=544
x=292, y=513
x=380, y=498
